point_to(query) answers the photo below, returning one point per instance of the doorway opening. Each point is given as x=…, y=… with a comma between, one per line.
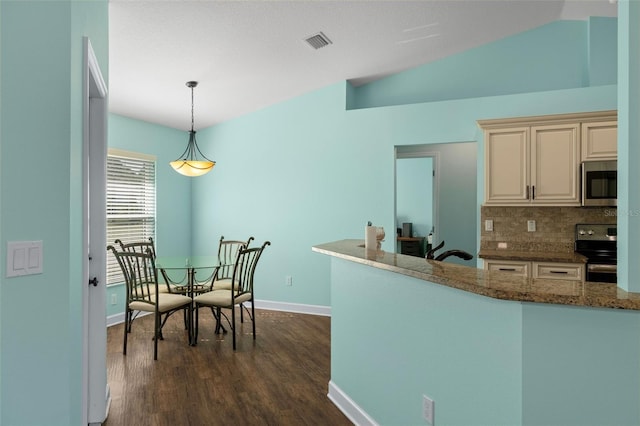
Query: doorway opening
x=416, y=212
x=452, y=200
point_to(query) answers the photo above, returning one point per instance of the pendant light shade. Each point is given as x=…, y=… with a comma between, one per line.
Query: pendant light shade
x=192, y=162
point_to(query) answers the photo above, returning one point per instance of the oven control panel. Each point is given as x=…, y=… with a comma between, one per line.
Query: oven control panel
x=596, y=232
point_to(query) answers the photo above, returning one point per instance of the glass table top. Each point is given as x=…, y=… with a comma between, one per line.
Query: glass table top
x=190, y=262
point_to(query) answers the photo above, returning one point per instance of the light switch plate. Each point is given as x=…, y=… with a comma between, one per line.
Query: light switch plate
x=24, y=258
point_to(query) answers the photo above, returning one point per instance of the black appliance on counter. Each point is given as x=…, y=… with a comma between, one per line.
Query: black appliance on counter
x=598, y=242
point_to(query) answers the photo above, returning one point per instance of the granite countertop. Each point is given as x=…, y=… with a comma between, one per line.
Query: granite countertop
x=493, y=284
x=537, y=256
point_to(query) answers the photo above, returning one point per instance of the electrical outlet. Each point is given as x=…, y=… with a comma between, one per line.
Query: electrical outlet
x=427, y=409
x=531, y=226
x=488, y=225
x=289, y=280
x=502, y=245
x=114, y=299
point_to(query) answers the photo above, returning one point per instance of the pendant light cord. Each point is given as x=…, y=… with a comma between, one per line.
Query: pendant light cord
x=192, y=108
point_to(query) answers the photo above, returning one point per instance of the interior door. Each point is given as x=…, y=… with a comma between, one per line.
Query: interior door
x=95, y=388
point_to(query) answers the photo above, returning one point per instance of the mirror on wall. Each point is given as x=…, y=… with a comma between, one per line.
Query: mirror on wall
x=436, y=189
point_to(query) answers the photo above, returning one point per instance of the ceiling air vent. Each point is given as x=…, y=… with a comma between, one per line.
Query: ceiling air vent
x=318, y=41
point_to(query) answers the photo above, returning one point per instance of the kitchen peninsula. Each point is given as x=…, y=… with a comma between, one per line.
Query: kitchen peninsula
x=486, y=347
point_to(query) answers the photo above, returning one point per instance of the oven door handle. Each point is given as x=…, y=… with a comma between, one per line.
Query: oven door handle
x=607, y=269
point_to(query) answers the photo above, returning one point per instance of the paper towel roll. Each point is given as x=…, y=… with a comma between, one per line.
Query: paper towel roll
x=370, y=240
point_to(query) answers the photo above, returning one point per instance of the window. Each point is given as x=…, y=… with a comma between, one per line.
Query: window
x=131, y=202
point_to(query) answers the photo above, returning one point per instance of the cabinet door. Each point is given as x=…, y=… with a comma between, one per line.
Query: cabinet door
x=506, y=166
x=555, y=161
x=513, y=267
x=558, y=271
x=600, y=141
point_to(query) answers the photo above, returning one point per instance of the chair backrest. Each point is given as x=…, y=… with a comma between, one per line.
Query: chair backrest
x=245, y=268
x=138, y=246
x=140, y=274
x=228, y=254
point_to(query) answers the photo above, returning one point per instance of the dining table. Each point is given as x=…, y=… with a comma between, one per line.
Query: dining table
x=196, y=276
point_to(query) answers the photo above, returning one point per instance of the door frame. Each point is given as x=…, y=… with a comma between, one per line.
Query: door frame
x=95, y=389
x=405, y=152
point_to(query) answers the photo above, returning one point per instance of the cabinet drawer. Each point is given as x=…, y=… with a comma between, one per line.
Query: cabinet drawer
x=517, y=268
x=558, y=271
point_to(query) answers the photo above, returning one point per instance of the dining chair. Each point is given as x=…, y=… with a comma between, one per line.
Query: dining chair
x=138, y=246
x=143, y=295
x=239, y=293
x=228, y=251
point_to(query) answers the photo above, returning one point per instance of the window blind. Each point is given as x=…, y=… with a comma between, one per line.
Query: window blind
x=131, y=205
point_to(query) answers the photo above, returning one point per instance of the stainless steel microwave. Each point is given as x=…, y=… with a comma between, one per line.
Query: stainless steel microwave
x=600, y=183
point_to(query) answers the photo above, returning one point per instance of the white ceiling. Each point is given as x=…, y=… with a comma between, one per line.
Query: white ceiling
x=247, y=55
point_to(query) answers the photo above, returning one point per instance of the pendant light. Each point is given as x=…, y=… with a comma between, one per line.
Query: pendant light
x=189, y=164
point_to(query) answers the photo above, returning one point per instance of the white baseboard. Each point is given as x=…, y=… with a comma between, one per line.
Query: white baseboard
x=298, y=308
x=349, y=408
x=115, y=319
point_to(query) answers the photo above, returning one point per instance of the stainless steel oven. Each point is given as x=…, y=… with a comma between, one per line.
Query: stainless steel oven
x=600, y=183
x=598, y=242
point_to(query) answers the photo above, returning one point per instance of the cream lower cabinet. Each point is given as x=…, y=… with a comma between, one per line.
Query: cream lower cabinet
x=533, y=165
x=513, y=267
x=534, y=269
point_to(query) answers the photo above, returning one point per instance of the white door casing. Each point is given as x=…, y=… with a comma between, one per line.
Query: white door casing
x=96, y=396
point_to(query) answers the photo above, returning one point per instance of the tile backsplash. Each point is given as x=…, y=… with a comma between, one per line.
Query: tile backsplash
x=555, y=226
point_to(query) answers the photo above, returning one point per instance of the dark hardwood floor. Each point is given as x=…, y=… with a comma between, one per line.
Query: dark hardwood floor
x=280, y=379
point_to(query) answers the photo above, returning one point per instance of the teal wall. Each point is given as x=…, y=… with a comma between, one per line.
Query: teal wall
x=298, y=180
x=307, y=170
x=628, y=145
x=298, y=173
x=482, y=361
x=603, y=60
x=580, y=366
x=173, y=194
x=40, y=190
x=554, y=56
x=414, y=194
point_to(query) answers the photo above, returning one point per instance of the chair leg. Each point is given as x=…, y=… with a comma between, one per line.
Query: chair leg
x=216, y=315
x=156, y=335
x=130, y=315
x=241, y=315
x=233, y=325
x=253, y=318
x=196, y=327
x=126, y=330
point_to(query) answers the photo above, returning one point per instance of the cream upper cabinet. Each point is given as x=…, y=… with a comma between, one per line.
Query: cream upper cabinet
x=600, y=141
x=533, y=165
x=536, y=160
x=507, y=165
x=555, y=164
